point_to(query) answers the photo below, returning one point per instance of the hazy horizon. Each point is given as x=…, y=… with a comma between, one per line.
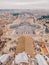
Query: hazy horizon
x=23, y=4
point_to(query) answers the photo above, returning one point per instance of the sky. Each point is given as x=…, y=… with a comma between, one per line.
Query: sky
x=24, y=4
